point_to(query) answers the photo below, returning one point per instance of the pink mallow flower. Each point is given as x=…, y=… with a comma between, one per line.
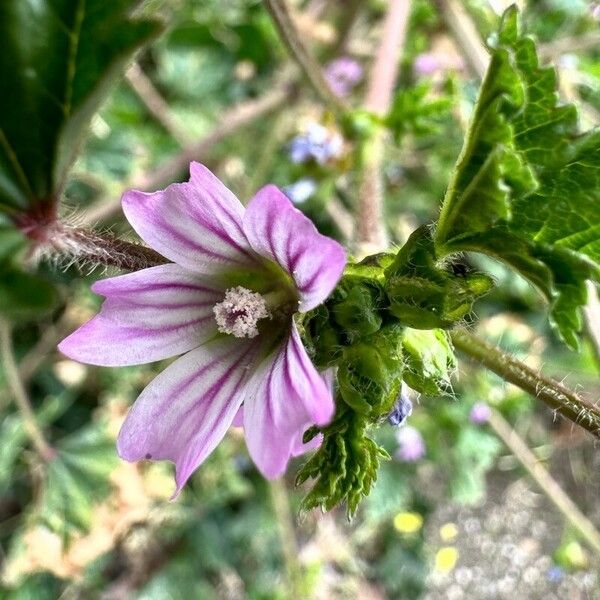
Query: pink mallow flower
x=227, y=304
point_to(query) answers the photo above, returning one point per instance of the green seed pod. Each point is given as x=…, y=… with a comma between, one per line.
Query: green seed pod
x=370, y=373
x=357, y=310
x=320, y=338
x=429, y=360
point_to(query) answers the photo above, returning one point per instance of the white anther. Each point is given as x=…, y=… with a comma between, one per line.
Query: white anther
x=240, y=311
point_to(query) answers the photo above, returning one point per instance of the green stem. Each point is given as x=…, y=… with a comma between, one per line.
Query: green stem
x=282, y=19
x=547, y=483
x=557, y=396
x=287, y=536
x=17, y=388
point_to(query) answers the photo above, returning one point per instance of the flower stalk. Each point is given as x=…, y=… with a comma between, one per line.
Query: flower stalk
x=557, y=396
x=15, y=384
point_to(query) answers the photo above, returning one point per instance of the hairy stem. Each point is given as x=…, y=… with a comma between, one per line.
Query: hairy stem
x=547, y=483
x=17, y=388
x=284, y=23
x=370, y=229
x=557, y=396
x=83, y=246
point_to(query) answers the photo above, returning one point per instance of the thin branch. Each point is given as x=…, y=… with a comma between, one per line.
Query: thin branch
x=557, y=396
x=229, y=123
x=547, y=483
x=284, y=23
x=11, y=371
x=466, y=35
x=370, y=229
x=350, y=10
x=575, y=43
x=155, y=103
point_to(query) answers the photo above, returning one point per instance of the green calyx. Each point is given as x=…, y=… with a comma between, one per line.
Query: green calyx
x=383, y=324
x=425, y=295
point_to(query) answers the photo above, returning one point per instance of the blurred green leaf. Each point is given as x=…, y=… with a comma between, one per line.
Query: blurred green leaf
x=24, y=295
x=526, y=188
x=36, y=586
x=415, y=110
x=14, y=436
x=57, y=58
x=76, y=480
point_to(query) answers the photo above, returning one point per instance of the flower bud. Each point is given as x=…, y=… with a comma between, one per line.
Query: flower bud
x=428, y=360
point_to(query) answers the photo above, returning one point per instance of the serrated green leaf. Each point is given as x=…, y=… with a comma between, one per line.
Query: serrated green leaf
x=57, y=58
x=526, y=188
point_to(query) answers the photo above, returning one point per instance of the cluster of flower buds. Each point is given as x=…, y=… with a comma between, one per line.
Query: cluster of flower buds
x=383, y=325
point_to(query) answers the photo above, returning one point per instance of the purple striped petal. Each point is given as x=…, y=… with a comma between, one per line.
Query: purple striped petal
x=286, y=396
x=279, y=231
x=197, y=224
x=148, y=315
x=186, y=410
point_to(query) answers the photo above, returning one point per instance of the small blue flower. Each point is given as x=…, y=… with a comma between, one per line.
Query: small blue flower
x=317, y=143
x=300, y=191
x=402, y=409
x=555, y=574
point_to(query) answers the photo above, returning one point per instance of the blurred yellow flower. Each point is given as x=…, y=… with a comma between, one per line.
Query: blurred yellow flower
x=446, y=559
x=448, y=532
x=408, y=522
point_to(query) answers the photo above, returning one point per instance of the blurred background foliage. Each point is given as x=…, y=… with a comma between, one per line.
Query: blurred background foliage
x=84, y=525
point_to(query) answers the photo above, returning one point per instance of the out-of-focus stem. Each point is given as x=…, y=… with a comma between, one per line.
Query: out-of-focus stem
x=17, y=388
x=575, y=43
x=230, y=122
x=287, y=536
x=466, y=35
x=155, y=103
x=557, y=396
x=370, y=232
x=547, y=483
x=348, y=16
x=282, y=19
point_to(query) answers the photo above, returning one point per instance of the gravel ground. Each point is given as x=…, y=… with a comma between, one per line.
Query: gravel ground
x=505, y=546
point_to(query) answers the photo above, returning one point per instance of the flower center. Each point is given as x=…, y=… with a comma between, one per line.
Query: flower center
x=240, y=311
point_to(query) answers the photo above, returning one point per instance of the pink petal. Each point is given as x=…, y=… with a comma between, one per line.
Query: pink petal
x=147, y=315
x=186, y=410
x=286, y=396
x=238, y=420
x=197, y=224
x=279, y=231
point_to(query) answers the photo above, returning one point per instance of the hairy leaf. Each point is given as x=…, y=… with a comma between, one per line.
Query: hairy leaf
x=57, y=58
x=526, y=188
